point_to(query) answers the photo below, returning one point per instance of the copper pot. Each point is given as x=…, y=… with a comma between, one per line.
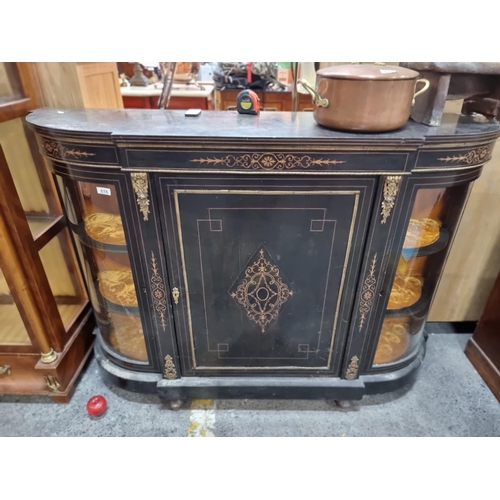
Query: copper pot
x=364, y=97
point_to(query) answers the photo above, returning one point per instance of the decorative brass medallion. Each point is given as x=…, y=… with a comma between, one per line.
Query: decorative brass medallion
x=140, y=185
x=352, y=370
x=59, y=151
x=367, y=293
x=158, y=291
x=474, y=156
x=391, y=188
x=268, y=161
x=52, y=382
x=261, y=291
x=170, y=371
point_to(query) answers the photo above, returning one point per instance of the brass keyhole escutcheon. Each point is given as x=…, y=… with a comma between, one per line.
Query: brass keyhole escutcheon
x=175, y=295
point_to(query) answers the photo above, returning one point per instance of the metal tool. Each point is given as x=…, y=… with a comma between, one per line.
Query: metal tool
x=248, y=103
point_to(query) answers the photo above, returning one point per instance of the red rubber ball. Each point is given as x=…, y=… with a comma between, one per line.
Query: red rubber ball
x=97, y=405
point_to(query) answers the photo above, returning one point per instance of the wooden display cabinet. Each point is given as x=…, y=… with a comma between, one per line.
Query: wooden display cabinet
x=259, y=256
x=46, y=321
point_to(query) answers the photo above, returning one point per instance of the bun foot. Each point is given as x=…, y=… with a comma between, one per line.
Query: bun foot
x=175, y=404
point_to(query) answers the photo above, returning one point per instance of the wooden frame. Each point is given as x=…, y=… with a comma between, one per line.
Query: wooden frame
x=20, y=107
x=57, y=351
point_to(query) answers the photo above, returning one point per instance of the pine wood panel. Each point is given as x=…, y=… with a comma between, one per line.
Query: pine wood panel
x=57, y=84
x=77, y=85
x=99, y=85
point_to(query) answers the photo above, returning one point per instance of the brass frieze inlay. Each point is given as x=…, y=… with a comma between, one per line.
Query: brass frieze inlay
x=474, y=156
x=367, y=293
x=391, y=188
x=352, y=369
x=268, y=161
x=52, y=383
x=140, y=185
x=170, y=371
x=261, y=291
x=158, y=292
x=56, y=150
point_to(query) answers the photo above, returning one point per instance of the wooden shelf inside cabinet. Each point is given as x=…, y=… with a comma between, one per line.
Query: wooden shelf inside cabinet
x=120, y=309
x=414, y=310
x=433, y=248
x=97, y=245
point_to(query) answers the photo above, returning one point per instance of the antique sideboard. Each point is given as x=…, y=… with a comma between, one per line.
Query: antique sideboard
x=232, y=255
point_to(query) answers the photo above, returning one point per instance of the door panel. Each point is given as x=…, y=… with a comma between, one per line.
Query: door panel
x=263, y=270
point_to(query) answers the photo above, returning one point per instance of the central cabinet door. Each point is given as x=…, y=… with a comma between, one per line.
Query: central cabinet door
x=265, y=269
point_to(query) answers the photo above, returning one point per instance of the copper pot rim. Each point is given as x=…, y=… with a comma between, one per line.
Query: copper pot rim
x=367, y=73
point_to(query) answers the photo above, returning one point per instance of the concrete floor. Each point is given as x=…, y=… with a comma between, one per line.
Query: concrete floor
x=448, y=399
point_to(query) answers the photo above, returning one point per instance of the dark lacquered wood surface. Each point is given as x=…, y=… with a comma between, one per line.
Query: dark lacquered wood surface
x=221, y=188
x=229, y=124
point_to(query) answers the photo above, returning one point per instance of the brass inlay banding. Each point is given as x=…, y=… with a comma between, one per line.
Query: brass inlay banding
x=56, y=150
x=268, y=161
x=367, y=293
x=158, y=292
x=472, y=157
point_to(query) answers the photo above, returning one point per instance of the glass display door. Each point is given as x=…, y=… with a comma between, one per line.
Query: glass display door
x=96, y=221
x=434, y=218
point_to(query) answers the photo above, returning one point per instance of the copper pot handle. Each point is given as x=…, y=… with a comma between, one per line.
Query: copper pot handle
x=423, y=89
x=317, y=99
